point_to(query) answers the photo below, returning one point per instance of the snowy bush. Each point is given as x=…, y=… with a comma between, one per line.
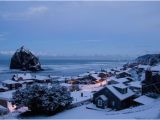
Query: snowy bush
x=43, y=99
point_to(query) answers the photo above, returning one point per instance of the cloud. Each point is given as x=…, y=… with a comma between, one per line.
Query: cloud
x=2, y=36
x=7, y=52
x=31, y=12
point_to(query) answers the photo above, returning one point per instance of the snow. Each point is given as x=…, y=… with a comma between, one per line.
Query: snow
x=156, y=68
x=136, y=84
x=93, y=87
x=25, y=76
x=66, y=85
x=39, y=77
x=95, y=76
x=121, y=80
x=9, y=82
x=122, y=86
x=83, y=75
x=6, y=95
x=145, y=67
x=77, y=96
x=2, y=108
x=61, y=79
x=144, y=100
x=118, y=94
x=103, y=97
x=2, y=87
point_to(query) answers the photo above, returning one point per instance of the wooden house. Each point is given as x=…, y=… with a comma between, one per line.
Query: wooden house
x=117, y=96
x=119, y=80
x=123, y=74
x=5, y=100
x=10, y=84
x=42, y=79
x=151, y=84
x=20, y=77
x=2, y=88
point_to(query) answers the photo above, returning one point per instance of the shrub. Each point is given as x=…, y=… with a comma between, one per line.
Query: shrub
x=43, y=99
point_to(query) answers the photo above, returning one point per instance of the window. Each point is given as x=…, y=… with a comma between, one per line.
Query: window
x=99, y=102
x=113, y=103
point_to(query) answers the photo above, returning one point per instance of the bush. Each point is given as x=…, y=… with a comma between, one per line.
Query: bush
x=43, y=99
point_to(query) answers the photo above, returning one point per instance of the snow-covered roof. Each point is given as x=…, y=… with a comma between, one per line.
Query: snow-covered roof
x=145, y=67
x=61, y=79
x=66, y=85
x=103, y=97
x=39, y=77
x=144, y=100
x=119, y=95
x=122, y=86
x=92, y=72
x=26, y=81
x=6, y=95
x=121, y=80
x=54, y=77
x=25, y=76
x=136, y=84
x=9, y=82
x=83, y=75
x=2, y=87
x=95, y=76
x=2, y=108
x=155, y=68
x=123, y=72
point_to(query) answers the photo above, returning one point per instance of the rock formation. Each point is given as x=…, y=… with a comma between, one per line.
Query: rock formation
x=23, y=59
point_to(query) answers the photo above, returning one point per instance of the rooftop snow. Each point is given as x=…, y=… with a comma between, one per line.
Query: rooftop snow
x=155, y=68
x=121, y=80
x=120, y=86
x=118, y=94
x=6, y=95
x=39, y=77
x=135, y=84
x=145, y=67
x=9, y=82
x=144, y=100
x=95, y=76
x=1, y=86
x=24, y=76
x=103, y=97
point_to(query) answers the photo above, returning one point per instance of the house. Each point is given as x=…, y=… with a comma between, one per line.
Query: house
x=3, y=110
x=151, y=84
x=25, y=76
x=10, y=84
x=101, y=101
x=71, y=87
x=5, y=100
x=123, y=74
x=117, y=96
x=136, y=87
x=42, y=79
x=119, y=80
x=2, y=88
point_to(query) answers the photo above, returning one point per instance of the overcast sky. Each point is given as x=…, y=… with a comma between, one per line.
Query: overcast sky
x=81, y=28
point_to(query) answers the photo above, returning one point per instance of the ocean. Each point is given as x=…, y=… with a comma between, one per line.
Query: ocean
x=62, y=67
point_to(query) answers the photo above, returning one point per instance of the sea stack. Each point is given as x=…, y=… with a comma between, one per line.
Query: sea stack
x=24, y=60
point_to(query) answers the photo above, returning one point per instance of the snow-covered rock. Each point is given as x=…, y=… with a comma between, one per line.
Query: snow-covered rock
x=23, y=59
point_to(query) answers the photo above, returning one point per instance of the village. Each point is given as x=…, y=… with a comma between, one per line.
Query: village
x=111, y=89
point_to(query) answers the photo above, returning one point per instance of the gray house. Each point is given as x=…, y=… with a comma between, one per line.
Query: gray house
x=117, y=96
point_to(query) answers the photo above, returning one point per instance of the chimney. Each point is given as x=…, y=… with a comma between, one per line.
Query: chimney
x=148, y=76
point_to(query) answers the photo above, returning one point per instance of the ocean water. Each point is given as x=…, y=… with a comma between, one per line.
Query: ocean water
x=62, y=67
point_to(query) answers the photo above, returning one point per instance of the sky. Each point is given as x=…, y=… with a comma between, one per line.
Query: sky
x=80, y=28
